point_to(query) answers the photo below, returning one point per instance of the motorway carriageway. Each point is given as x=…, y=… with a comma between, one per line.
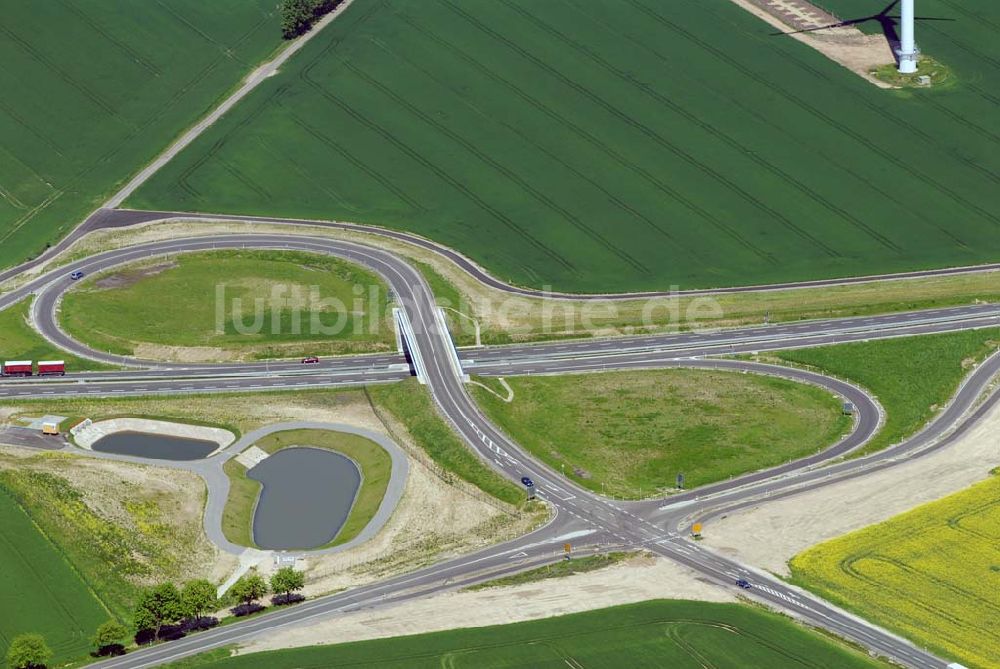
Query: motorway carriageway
x=653, y=525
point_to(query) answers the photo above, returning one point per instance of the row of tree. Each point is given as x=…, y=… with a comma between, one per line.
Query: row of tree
x=166, y=611
x=184, y=609
x=298, y=16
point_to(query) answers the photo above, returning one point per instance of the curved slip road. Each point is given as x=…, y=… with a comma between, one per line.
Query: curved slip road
x=112, y=218
x=49, y=288
x=646, y=524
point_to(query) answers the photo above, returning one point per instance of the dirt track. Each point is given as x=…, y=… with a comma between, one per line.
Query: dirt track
x=846, y=45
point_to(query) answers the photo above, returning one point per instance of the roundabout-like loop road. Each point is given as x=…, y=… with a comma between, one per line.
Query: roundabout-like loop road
x=579, y=512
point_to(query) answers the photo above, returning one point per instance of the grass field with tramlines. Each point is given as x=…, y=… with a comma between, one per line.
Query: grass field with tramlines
x=94, y=90
x=40, y=592
x=659, y=633
x=617, y=144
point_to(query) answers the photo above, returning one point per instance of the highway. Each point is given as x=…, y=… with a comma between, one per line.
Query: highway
x=656, y=525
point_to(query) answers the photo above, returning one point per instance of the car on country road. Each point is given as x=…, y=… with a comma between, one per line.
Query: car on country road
x=528, y=483
x=743, y=583
x=77, y=275
x=311, y=360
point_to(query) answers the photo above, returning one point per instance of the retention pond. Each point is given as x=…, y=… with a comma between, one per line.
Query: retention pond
x=306, y=498
x=156, y=446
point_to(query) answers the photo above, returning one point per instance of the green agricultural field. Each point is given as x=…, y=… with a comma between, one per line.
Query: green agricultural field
x=661, y=633
x=40, y=592
x=242, y=303
x=617, y=144
x=912, y=377
x=375, y=464
x=930, y=574
x=18, y=341
x=94, y=90
x=631, y=433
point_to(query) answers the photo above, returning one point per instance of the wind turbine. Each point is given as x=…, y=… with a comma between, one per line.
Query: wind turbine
x=901, y=41
x=907, y=45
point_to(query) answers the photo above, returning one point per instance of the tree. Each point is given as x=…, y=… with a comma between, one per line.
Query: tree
x=157, y=607
x=296, y=17
x=28, y=651
x=198, y=597
x=249, y=589
x=110, y=638
x=286, y=581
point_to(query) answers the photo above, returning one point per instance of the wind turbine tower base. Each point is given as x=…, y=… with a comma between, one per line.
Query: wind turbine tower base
x=907, y=44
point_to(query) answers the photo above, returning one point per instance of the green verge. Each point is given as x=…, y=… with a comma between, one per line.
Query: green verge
x=557, y=570
x=630, y=433
x=659, y=633
x=929, y=574
x=913, y=377
x=40, y=590
x=452, y=299
x=338, y=307
x=411, y=405
x=405, y=402
x=18, y=341
x=374, y=461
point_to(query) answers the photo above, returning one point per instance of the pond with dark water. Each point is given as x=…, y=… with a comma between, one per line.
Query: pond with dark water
x=306, y=498
x=156, y=446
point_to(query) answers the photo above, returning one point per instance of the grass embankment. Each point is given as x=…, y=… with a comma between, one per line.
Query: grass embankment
x=18, y=341
x=40, y=590
x=482, y=116
x=374, y=462
x=253, y=303
x=411, y=405
x=631, y=433
x=931, y=574
x=406, y=403
x=119, y=525
x=93, y=91
x=912, y=377
x=504, y=319
x=557, y=570
x=659, y=633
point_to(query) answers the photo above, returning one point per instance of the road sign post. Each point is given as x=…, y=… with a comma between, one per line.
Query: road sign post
x=680, y=481
x=566, y=549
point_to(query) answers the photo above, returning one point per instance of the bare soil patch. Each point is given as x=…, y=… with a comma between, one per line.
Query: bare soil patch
x=847, y=45
x=770, y=535
x=635, y=580
x=126, y=278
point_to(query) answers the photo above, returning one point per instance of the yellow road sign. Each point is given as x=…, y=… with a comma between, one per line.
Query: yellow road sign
x=696, y=528
x=567, y=547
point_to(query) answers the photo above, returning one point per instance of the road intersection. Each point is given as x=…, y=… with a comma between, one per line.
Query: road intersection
x=660, y=526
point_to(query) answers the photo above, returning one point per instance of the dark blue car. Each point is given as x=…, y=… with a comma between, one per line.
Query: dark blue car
x=743, y=583
x=76, y=275
x=528, y=483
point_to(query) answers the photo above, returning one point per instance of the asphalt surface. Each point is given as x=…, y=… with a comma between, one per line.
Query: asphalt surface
x=110, y=218
x=656, y=525
x=50, y=287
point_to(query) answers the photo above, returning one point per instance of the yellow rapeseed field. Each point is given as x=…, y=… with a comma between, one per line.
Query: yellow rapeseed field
x=931, y=574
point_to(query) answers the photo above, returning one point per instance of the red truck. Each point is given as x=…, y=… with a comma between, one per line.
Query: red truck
x=16, y=368
x=51, y=368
